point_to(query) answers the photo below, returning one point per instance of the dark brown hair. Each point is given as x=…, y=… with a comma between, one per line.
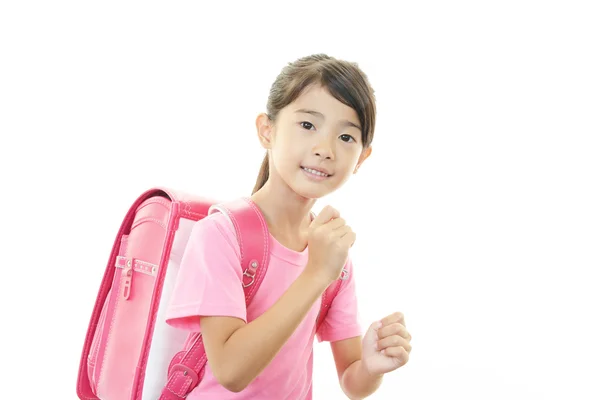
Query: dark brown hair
x=343, y=79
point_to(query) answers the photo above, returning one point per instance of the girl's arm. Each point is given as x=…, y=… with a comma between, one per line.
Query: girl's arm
x=355, y=381
x=361, y=363
x=238, y=352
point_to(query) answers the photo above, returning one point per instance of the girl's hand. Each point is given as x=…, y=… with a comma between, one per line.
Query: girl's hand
x=329, y=240
x=386, y=345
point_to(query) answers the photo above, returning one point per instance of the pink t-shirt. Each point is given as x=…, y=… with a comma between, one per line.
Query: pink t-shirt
x=210, y=284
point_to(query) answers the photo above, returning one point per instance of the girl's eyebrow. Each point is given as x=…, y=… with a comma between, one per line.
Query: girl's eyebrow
x=318, y=114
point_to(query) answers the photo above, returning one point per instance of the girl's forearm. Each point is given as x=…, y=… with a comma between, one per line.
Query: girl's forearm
x=357, y=383
x=251, y=348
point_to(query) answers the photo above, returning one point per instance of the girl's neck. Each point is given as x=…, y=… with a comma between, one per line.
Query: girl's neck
x=287, y=214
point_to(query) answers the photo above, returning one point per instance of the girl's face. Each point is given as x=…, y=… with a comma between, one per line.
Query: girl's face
x=316, y=143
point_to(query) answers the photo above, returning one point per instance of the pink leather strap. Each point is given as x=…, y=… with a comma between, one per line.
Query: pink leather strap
x=253, y=236
x=187, y=367
x=137, y=265
x=328, y=297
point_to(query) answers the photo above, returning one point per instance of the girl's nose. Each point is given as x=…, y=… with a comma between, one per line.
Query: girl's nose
x=324, y=149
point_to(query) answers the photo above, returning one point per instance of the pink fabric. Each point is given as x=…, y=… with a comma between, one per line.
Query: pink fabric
x=210, y=283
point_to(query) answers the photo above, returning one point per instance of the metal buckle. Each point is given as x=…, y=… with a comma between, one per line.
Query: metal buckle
x=344, y=274
x=251, y=276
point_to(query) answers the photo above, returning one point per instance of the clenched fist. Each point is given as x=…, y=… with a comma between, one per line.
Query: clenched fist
x=329, y=240
x=386, y=345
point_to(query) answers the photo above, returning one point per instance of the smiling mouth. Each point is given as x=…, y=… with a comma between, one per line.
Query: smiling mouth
x=315, y=172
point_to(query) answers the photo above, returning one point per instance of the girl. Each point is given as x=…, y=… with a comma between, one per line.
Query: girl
x=317, y=132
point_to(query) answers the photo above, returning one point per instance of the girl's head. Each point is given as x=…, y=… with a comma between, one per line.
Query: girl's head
x=320, y=117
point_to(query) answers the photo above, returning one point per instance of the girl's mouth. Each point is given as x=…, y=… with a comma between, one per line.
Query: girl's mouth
x=315, y=174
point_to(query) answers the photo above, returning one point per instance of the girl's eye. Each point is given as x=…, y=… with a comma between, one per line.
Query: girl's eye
x=304, y=124
x=347, y=138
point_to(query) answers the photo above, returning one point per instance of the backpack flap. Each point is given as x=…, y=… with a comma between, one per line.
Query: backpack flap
x=131, y=289
x=85, y=382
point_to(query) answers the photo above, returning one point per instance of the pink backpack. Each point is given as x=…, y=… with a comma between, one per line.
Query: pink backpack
x=130, y=353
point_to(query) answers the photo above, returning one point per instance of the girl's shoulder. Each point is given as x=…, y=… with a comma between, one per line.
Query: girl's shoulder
x=215, y=231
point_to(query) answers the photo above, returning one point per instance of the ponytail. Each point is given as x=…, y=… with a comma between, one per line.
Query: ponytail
x=263, y=175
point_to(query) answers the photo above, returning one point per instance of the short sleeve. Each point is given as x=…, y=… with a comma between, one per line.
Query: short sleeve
x=342, y=320
x=209, y=282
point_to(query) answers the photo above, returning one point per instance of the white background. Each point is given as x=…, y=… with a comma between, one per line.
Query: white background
x=477, y=215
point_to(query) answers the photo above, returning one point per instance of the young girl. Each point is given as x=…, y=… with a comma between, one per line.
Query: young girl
x=317, y=132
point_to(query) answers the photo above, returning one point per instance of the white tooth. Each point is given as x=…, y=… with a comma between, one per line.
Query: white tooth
x=315, y=172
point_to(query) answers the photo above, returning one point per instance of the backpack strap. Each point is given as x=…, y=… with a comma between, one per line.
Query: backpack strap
x=329, y=295
x=253, y=236
x=187, y=367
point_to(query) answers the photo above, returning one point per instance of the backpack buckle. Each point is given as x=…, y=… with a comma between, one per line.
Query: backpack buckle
x=250, y=272
x=187, y=372
x=344, y=274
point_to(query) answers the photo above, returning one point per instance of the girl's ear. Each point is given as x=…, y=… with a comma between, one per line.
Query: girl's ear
x=264, y=129
x=363, y=156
